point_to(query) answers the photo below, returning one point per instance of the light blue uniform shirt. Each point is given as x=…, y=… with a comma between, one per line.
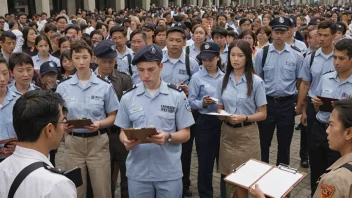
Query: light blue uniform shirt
x=321, y=64
x=193, y=52
x=6, y=125
x=224, y=57
x=38, y=61
x=177, y=73
x=235, y=98
x=125, y=68
x=331, y=87
x=203, y=84
x=301, y=46
x=280, y=71
x=121, y=56
x=13, y=88
x=93, y=101
x=166, y=111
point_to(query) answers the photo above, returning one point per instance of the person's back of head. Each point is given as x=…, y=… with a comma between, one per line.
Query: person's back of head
x=38, y=118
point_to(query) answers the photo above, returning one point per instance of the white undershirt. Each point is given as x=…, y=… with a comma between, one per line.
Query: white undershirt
x=152, y=92
x=83, y=82
x=173, y=61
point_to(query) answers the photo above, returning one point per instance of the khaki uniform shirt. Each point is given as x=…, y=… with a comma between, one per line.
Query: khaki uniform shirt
x=337, y=182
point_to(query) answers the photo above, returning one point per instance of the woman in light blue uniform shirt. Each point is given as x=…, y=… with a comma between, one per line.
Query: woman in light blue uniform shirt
x=241, y=94
x=7, y=100
x=201, y=96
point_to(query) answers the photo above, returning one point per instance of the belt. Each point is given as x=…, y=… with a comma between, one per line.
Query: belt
x=322, y=124
x=90, y=134
x=279, y=99
x=242, y=124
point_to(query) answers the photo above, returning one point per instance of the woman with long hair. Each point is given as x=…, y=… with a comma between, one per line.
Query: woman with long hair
x=242, y=95
x=67, y=68
x=42, y=43
x=29, y=36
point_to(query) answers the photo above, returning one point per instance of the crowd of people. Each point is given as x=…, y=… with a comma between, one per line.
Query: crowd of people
x=170, y=68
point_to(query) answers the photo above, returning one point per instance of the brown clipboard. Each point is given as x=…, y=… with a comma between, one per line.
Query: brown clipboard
x=80, y=123
x=272, y=166
x=327, y=106
x=140, y=133
x=8, y=140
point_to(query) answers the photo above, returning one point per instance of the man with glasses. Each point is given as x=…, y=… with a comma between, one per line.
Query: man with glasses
x=39, y=124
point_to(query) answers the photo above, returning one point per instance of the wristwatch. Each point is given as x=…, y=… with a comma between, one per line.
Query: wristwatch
x=169, y=138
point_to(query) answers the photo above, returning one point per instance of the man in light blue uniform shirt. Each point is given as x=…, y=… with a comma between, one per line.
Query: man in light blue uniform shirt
x=138, y=41
x=280, y=73
x=118, y=35
x=314, y=66
x=335, y=84
x=219, y=36
x=154, y=169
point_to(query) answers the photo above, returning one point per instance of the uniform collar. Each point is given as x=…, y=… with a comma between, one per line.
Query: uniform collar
x=93, y=79
x=204, y=72
x=15, y=90
x=343, y=160
x=38, y=58
x=181, y=58
x=242, y=79
x=286, y=48
x=32, y=154
x=320, y=52
x=335, y=76
x=162, y=89
x=10, y=95
x=226, y=49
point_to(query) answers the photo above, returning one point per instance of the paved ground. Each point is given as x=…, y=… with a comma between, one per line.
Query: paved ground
x=302, y=190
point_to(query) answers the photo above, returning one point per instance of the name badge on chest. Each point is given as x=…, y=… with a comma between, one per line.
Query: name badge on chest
x=92, y=97
x=182, y=71
x=169, y=109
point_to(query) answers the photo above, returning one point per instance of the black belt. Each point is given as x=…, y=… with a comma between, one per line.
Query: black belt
x=89, y=134
x=242, y=124
x=280, y=99
x=322, y=124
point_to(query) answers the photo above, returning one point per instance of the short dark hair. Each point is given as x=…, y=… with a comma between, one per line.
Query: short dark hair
x=267, y=30
x=328, y=24
x=7, y=34
x=12, y=23
x=176, y=29
x=160, y=29
x=63, y=39
x=96, y=32
x=344, y=44
x=33, y=111
x=60, y=17
x=79, y=45
x=220, y=15
x=19, y=59
x=31, y=24
x=2, y=60
x=65, y=54
x=50, y=27
x=219, y=30
x=118, y=29
x=344, y=107
x=42, y=37
x=138, y=31
x=72, y=27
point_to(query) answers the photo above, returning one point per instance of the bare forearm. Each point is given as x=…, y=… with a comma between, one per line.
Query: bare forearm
x=180, y=136
x=108, y=121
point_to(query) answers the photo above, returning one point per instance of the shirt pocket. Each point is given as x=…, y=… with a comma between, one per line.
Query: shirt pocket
x=288, y=73
x=327, y=93
x=166, y=121
x=137, y=119
x=96, y=108
x=269, y=73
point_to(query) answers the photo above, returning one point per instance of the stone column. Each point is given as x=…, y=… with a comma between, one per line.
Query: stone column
x=4, y=8
x=71, y=7
x=146, y=4
x=164, y=3
x=200, y=2
x=42, y=6
x=217, y=3
x=120, y=4
x=179, y=2
x=89, y=5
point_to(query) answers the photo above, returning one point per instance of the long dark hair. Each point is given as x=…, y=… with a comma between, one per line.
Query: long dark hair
x=248, y=70
x=25, y=34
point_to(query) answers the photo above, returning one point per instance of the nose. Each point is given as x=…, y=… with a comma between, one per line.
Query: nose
x=25, y=73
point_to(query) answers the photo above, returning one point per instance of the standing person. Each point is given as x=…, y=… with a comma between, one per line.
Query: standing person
x=88, y=96
x=219, y=36
x=43, y=46
x=263, y=35
x=22, y=70
x=106, y=59
x=177, y=71
x=154, y=169
x=29, y=36
x=280, y=73
x=39, y=124
x=336, y=182
x=334, y=84
x=291, y=40
x=199, y=37
x=160, y=37
x=241, y=94
x=314, y=66
x=149, y=31
x=7, y=101
x=207, y=136
x=119, y=37
x=7, y=43
x=67, y=69
x=63, y=45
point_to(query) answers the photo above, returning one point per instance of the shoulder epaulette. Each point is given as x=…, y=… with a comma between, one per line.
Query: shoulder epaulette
x=172, y=86
x=296, y=48
x=328, y=72
x=52, y=169
x=103, y=79
x=128, y=90
x=69, y=77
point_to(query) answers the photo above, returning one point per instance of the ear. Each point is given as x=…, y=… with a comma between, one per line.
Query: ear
x=49, y=130
x=161, y=66
x=348, y=133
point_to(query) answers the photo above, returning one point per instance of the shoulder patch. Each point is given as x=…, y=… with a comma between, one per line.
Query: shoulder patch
x=128, y=90
x=68, y=78
x=326, y=191
x=296, y=48
x=328, y=72
x=172, y=86
x=103, y=79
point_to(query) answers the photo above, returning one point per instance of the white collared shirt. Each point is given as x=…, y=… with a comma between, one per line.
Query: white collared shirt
x=40, y=183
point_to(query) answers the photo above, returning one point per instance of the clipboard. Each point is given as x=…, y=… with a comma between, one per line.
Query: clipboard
x=263, y=175
x=327, y=107
x=140, y=133
x=7, y=141
x=80, y=123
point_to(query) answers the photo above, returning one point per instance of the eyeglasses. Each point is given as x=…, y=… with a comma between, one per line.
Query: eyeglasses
x=64, y=121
